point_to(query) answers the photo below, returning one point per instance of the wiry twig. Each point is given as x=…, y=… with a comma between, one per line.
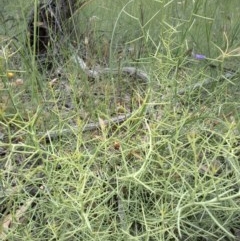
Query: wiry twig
x=51, y=135
x=97, y=73
x=227, y=76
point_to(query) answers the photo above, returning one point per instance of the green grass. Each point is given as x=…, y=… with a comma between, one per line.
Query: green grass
x=170, y=172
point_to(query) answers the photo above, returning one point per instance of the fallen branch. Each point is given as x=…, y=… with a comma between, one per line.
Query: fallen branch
x=51, y=135
x=97, y=73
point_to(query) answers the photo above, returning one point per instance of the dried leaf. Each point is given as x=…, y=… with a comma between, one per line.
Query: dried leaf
x=102, y=124
x=7, y=222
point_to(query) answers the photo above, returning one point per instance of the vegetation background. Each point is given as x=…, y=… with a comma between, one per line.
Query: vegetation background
x=170, y=172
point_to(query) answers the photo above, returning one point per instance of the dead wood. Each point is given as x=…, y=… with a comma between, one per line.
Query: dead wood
x=46, y=25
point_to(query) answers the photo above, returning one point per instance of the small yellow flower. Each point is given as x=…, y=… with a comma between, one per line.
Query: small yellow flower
x=10, y=75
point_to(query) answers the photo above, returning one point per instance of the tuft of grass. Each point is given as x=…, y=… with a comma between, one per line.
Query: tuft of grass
x=169, y=172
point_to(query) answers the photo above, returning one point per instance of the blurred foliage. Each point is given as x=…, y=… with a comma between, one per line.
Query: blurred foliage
x=200, y=24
